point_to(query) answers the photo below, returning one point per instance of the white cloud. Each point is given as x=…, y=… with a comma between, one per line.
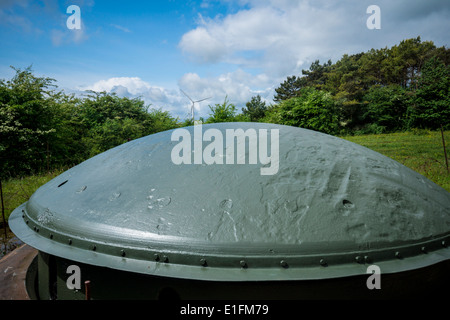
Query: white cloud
x=275, y=38
x=121, y=28
x=205, y=46
x=268, y=40
x=282, y=37
x=134, y=87
x=238, y=86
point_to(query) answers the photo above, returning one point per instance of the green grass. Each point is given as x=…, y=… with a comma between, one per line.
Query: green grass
x=19, y=190
x=421, y=151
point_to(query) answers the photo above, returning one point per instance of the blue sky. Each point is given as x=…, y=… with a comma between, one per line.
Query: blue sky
x=208, y=48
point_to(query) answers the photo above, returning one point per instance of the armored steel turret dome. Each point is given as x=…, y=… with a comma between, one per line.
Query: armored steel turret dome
x=237, y=205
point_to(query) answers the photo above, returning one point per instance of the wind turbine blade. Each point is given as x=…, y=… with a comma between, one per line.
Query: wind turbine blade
x=187, y=96
x=203, y=99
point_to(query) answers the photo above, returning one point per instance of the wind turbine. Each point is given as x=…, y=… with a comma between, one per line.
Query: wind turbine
x=193, y=103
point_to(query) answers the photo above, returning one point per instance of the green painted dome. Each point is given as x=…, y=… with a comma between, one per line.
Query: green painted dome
x=324, y=207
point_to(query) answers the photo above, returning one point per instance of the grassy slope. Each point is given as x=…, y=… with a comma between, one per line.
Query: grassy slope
x=18, y=191
x=422, y=153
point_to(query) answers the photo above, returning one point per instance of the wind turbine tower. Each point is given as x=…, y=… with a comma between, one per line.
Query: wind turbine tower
x=193, y=103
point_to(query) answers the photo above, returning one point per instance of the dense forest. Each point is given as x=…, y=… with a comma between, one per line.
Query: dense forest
x=382, y=90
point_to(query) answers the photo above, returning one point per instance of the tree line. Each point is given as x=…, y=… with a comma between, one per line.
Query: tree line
x=42, y=128
x=383, y=90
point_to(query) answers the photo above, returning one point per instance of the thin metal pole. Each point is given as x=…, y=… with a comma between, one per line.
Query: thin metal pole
x=445, y=151
x=87, y=287
x=3, y=211
x=48, y=167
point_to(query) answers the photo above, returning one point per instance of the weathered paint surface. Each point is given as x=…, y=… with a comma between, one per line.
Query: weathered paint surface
x=331, y=200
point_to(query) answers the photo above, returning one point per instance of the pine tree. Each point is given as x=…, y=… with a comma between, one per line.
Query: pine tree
x=290, y=88
x=255, y=109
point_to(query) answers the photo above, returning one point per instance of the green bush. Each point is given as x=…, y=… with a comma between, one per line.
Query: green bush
x=430, y=107
x=313, y=109
x=225, y=112
x=41, y=129
x=386, y=108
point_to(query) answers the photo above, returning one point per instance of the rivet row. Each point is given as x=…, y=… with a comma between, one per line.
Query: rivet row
x=243, y=263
